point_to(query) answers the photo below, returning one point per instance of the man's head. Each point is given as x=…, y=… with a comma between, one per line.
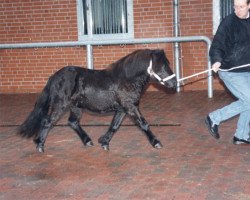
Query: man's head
x=241, y=8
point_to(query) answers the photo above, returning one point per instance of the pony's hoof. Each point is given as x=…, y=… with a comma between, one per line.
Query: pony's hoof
x=105, y=147
x=158, y=145
x=89, y=144
x=40, y=149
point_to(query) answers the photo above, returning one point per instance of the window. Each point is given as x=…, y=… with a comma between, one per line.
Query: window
x=221, y=8
x=105, y=19
x=226, y=7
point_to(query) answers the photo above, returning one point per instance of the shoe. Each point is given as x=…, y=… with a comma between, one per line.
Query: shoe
x=213, y=129
x=240, y=141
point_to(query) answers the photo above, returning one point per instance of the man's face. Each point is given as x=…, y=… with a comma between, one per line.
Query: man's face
x=241, y=8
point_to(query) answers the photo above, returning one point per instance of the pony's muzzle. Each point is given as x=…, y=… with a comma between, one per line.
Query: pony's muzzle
x=170, y=82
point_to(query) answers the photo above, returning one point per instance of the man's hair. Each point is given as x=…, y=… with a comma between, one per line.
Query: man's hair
x=248, y=1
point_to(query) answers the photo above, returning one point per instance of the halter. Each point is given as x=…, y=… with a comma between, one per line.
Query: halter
x=152, y=73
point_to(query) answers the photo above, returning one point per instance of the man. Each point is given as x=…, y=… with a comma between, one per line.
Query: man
x=231, y=48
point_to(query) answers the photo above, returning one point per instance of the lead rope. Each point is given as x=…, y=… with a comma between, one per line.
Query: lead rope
x=152, y=73
x=224, y=70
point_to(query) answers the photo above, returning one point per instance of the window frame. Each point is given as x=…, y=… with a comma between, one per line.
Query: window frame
x=217, y=15
x=103, y=37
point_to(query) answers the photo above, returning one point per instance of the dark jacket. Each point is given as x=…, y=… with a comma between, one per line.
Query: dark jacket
x=231, y=43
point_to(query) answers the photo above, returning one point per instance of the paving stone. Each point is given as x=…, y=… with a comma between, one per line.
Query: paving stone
x=191, y=165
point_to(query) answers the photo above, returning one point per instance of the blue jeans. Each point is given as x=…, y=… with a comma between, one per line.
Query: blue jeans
x=239, y=85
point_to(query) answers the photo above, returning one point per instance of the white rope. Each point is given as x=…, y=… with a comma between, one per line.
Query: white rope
x=238, y=67
x=187, y=77
x=205, y=71
x=152, y=73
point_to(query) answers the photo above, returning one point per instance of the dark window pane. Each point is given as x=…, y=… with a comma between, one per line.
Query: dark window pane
x=108, y=16
x=85, y=25
x=226, y=8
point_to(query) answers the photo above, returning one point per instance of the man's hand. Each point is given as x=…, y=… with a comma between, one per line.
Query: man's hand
x=216, y=67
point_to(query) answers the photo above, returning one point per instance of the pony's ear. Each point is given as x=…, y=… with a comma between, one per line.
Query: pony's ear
x=158, y=57
x=155, y=54
x=158, y=53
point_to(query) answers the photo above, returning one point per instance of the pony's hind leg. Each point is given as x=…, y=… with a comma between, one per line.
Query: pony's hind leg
x=74, y=123
x=43, y=133
x=47, y=124
x=136, y=115
x=115, y=124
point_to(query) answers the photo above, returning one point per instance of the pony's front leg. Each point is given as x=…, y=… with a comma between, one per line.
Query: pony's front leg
x=115, y=124
x=136, y=115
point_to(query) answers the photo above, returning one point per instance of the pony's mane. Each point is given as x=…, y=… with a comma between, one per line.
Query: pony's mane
x=137, y=62
x=131, y=64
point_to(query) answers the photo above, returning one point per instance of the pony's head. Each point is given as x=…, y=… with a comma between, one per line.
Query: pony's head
x=159, y=69
x=143, y=62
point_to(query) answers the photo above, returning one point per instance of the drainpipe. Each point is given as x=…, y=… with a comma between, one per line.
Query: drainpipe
x=90, y=34
x=176, y=44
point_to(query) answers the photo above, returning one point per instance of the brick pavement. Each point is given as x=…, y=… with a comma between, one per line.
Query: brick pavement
x=190, y=166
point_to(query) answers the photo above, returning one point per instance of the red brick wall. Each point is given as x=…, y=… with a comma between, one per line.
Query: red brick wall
x=27, y=70
x=195, y=19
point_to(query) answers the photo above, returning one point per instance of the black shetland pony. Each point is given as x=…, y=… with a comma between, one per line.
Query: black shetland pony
x=117, y=89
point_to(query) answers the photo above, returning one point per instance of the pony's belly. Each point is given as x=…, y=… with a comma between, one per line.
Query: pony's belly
x=101, y=102
x=97, y=105
x=102, y=109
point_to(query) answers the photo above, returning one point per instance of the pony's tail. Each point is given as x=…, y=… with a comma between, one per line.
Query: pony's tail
x=33, y=122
